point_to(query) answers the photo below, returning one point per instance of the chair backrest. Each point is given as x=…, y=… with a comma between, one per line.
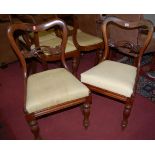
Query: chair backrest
x=88, y=23
x=131, y=35
x=135, y=51
x=15, y=31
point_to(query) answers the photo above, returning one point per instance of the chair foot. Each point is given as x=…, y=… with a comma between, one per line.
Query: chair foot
x=34, y=127
x=124, y=124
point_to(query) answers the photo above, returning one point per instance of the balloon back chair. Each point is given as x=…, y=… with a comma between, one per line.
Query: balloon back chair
x=51, y=90
x=115, y=79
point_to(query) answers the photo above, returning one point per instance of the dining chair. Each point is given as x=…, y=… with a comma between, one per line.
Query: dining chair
x=112, y=78
x=85, y=35
x=51, y=90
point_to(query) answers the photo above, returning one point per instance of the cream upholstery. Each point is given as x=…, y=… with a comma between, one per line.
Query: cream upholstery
x=53, y=87
x=55, y=41
x=85, y=39
x=49, y=38
x=113, y=76
x=46, y=35
x=70, y=27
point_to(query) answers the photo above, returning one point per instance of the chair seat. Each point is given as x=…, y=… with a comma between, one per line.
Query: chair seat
x=55, y=42
x=85, y=39
x=46, y=35
x=53, y=87
x=112, y=76
x=70, y=28
x=50, y=39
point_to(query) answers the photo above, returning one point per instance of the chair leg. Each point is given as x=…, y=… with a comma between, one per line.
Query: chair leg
x=126, y=113
x=31, y=66
x=98, y=56
x=86, y=111
x=33, y=126
x=76, y=61
x=34, y=66
x=43, y=63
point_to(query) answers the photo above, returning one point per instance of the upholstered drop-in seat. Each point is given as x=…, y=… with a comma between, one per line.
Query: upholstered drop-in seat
x=70, y=28
x=112, y=76
x=49, y=38
x=85, y=39
x=59, y=83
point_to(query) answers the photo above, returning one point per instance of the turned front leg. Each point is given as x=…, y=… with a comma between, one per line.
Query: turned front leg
x=126, y=114
x=86, y=112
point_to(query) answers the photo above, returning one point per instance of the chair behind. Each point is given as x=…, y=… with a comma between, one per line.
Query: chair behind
x=86, y=34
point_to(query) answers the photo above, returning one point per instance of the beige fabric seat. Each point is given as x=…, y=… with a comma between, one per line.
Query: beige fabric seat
x=70, y=28
x=49, y=38
x=112, y=76
x=85, y=39
x=42, y=89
